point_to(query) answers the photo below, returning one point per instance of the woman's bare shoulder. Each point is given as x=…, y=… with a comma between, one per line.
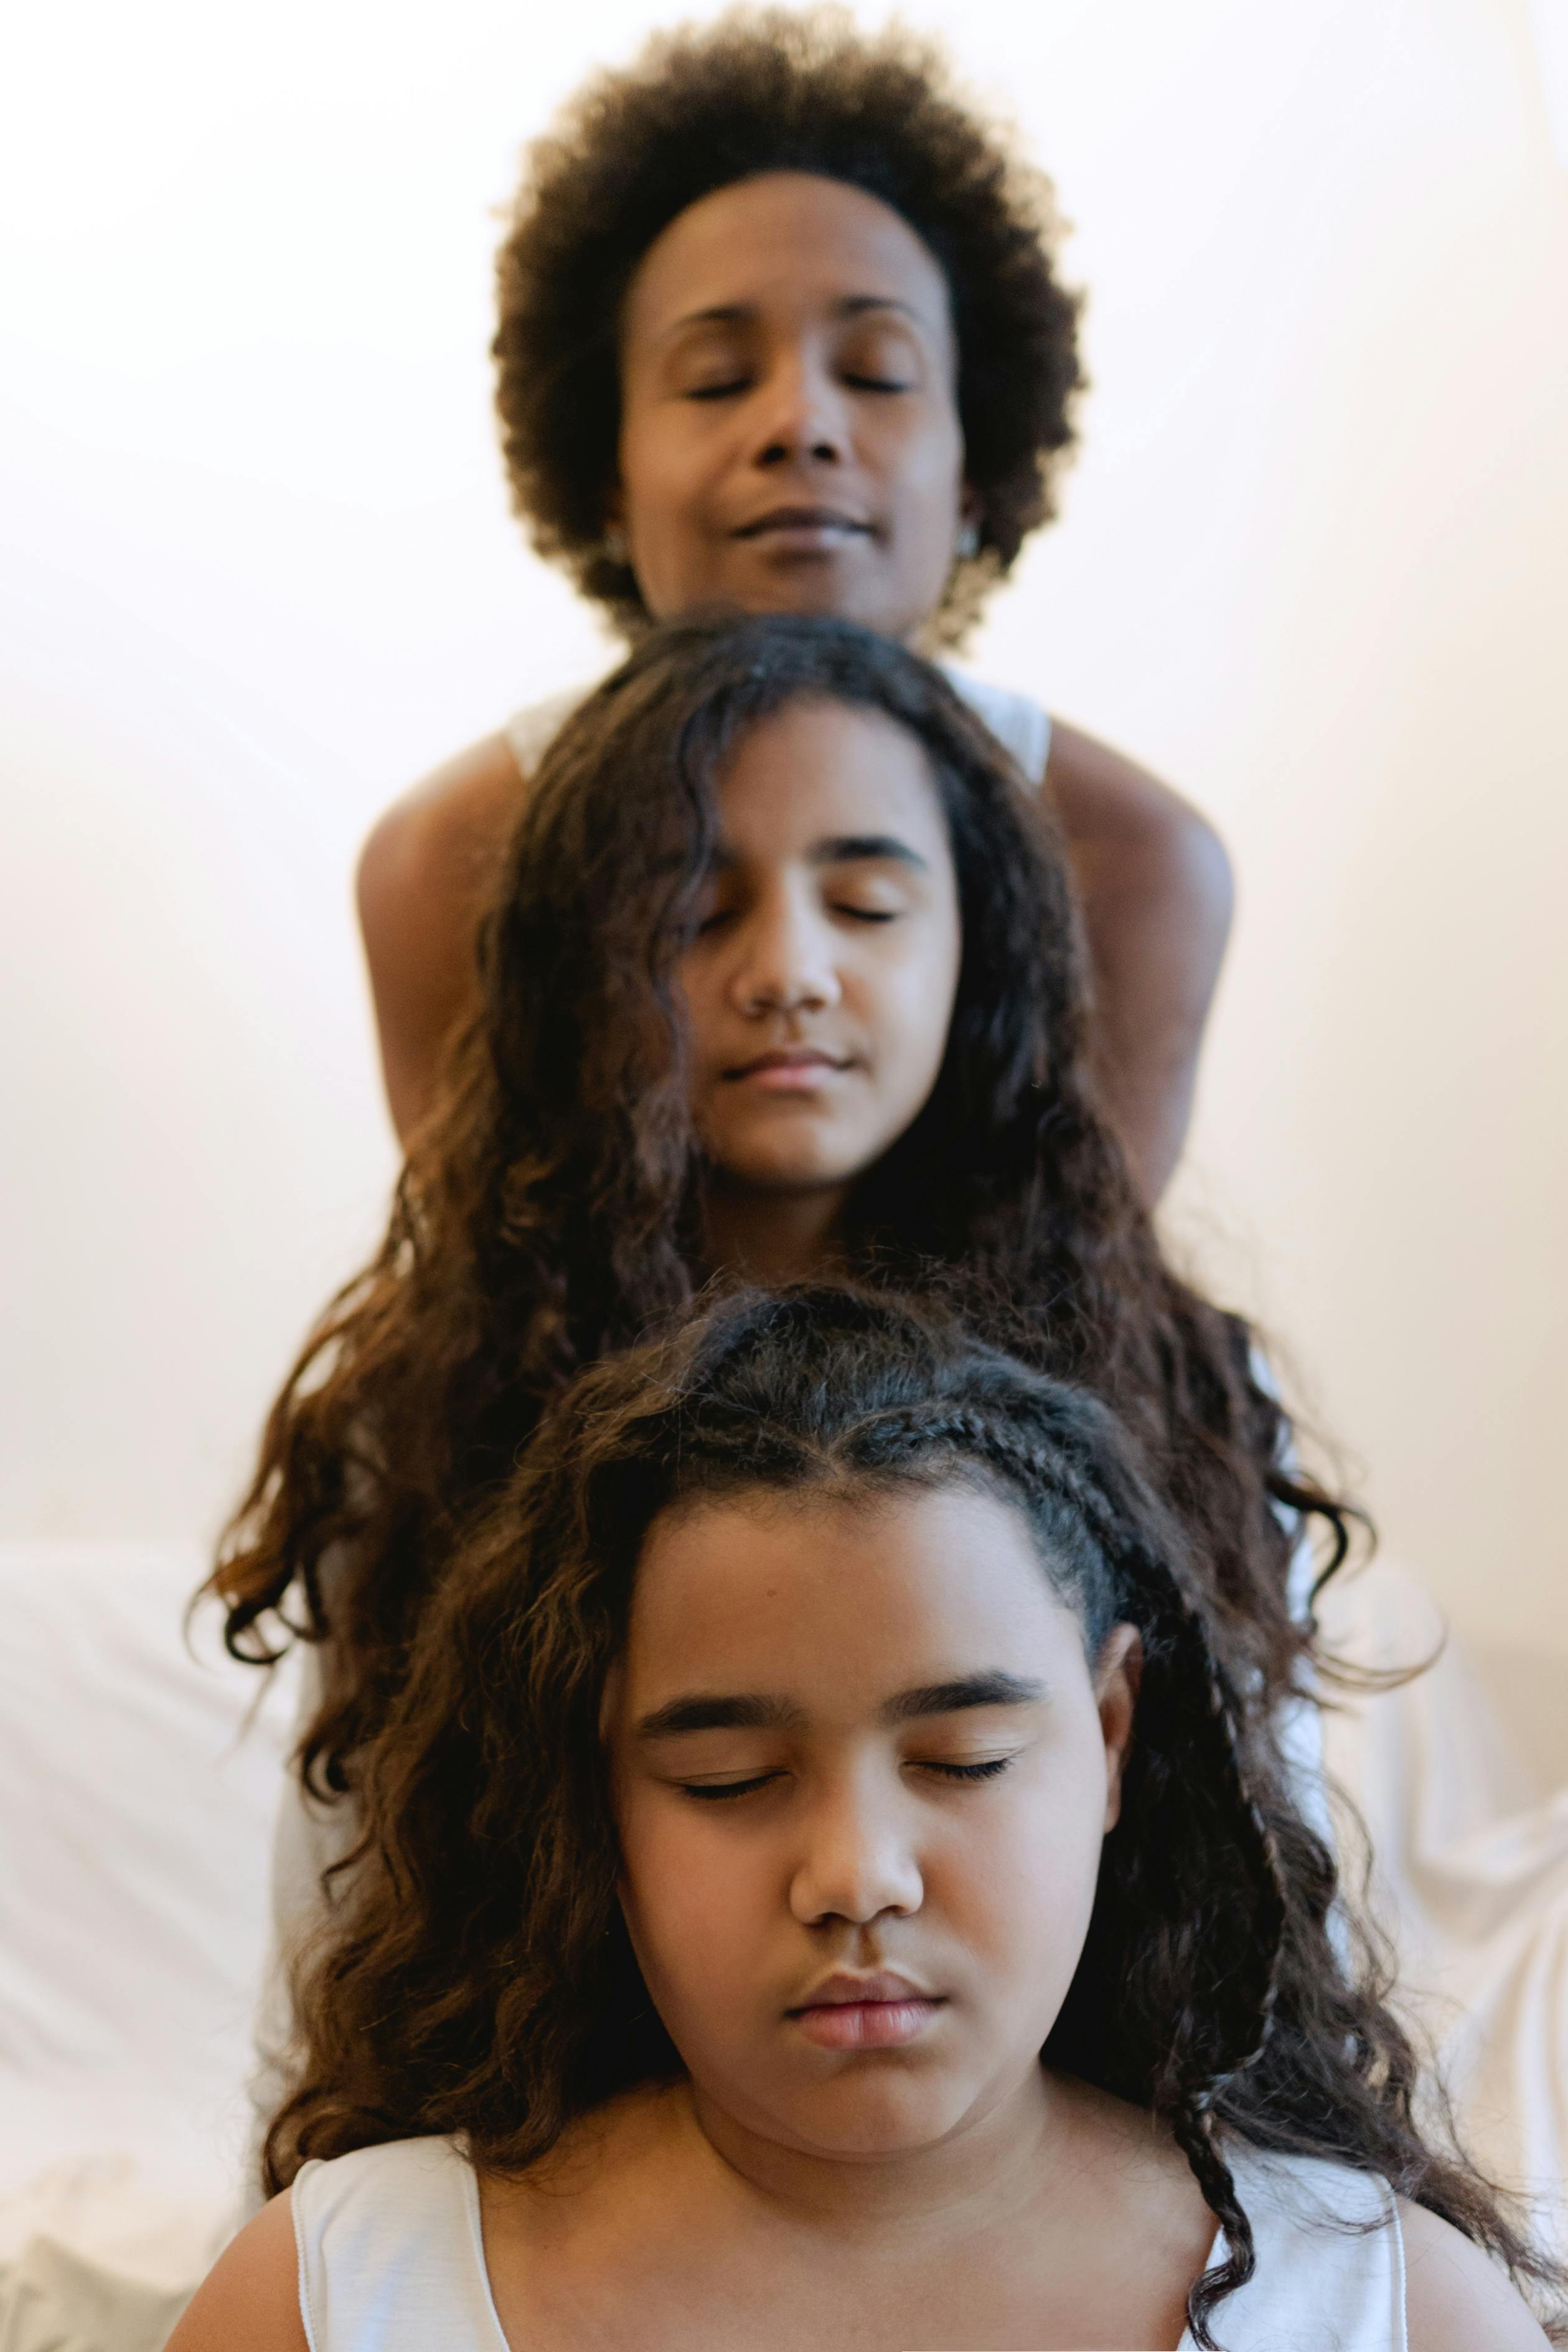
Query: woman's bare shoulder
x=1455, y=2297
x=250, y=2300
x=428, y=838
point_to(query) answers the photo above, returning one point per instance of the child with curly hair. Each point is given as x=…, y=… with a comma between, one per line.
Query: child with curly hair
x=819, y=1886
x=781, y=331
x=782, y=977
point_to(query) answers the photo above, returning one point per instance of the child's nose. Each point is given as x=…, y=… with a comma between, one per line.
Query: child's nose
x=856, y=1863
x=785, y=964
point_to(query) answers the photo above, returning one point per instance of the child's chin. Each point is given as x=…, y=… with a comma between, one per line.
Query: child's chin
x=882, y=2132
x=791, y=1172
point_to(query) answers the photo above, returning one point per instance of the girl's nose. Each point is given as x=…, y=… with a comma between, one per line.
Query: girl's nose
x=785, y=965
x=856, y=1863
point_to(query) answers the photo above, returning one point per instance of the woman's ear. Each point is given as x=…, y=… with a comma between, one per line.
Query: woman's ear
x=1117, y=1680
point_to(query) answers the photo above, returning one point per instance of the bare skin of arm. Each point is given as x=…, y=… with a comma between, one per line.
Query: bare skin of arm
x=1154, y=883
x=1151, y=873
x=249, y=2301
x=1455, y=2300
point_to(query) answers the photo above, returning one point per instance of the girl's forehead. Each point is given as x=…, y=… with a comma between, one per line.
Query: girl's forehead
x=858, y=1587
x=788, y=241
x=824, y=767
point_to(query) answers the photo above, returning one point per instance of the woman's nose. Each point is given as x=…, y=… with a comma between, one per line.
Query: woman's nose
x=856, y=1863
x=801, y=416
x=785, y=965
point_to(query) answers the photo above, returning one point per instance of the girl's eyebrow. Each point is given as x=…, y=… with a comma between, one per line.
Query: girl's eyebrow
x=760, y=1711
x=723, y=1713
x=844, y=849
x=994, y=1689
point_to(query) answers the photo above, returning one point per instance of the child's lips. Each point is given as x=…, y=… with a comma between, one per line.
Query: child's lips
x=866, y=2024
x=790, y=1070
x=876, y=2012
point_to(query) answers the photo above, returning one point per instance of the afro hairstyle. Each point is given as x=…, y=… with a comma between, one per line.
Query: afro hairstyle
x=699, y=109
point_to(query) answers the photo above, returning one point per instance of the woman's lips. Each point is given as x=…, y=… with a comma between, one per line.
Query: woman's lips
x=806, y=527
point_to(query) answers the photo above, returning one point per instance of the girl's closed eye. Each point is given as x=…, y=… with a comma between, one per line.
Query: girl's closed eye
x=716, y=1791
x=867, y=897
x=981, y=1768
x=721, y=385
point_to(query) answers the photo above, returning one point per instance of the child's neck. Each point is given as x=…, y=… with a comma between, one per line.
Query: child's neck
x=773, y=1237
x=997, y=2166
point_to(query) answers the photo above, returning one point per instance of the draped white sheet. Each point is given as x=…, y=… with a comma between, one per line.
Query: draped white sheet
x=1470, y=1880
x=135, y=1818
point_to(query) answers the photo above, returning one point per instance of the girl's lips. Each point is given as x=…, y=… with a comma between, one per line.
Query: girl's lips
x=866, y=2024
x=787, y=1073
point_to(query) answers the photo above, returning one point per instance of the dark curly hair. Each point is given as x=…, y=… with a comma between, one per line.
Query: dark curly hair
x=479, y=1979
x=701, y=108
x=551, y=1208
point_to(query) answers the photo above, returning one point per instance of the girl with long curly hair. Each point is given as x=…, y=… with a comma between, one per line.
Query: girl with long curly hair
x=819, y=1884
x=781, y=328
x=783, y=975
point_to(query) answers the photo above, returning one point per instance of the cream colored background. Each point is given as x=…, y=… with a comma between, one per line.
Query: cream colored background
x=258, y=574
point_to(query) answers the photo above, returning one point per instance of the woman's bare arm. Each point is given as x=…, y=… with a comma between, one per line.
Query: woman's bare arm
x=423, y=879
x=249, y=2301
x=1152, y=872
x=1155, y=885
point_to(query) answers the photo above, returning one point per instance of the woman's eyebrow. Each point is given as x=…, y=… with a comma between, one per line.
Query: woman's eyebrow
x=995, y=1689
x=739, y=314
x=751, y=1711
x=845, y=849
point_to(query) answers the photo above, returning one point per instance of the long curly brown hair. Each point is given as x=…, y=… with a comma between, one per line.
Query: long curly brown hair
x=551, y=1207
x=478, y=1978
x=777, y=90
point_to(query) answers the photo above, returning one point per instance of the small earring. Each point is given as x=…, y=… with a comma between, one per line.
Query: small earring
x=615, y=546
x=968, y=542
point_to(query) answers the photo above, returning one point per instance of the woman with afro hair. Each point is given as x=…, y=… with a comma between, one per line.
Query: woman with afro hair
x=780, y=330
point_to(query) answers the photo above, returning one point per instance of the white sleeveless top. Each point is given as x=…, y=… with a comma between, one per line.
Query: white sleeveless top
x=1020, y=726
x=391, y=2256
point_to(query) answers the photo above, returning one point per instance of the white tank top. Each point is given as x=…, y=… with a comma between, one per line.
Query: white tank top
x=1020, y=726
x=391, y=2256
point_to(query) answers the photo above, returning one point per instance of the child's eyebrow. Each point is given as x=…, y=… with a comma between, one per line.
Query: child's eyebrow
x=722, y=1713
x=995, y=1689
x=762, y=1711
x=844, y=848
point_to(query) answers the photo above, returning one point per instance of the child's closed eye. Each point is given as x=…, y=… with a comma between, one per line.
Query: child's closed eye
x=983, y=1768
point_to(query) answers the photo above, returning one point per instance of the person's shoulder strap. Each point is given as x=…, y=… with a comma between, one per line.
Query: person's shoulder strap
x=392, y=2255
x=529, y=733
x=1019, y=724
x=1331, y=2260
